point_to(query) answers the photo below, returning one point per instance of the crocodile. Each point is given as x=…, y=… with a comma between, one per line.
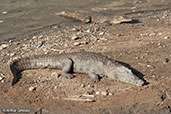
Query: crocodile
x=94, y=17
x=94, y=64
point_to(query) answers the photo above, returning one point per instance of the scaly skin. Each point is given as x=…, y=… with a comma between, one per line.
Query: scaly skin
x=94, y=64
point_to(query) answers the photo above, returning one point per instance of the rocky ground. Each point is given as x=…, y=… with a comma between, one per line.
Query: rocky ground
x=144, y=44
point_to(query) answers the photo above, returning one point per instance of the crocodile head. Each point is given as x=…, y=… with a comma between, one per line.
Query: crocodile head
x=123, y=74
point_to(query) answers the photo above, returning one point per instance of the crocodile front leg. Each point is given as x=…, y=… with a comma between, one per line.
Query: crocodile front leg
x=67, y=65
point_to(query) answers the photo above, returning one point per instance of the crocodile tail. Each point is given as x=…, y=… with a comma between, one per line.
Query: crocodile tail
x=18, y=65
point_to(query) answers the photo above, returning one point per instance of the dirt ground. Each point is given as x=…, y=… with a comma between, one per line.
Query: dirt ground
x=144, y=44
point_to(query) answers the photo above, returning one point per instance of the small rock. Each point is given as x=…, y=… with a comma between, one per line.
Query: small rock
x=110, y=94
x=160, y=33
x=32, y=88
x=159, y=44
x=77, y=43
x=4, y=12
x=12, y=54
x=82, y=85
x=104, y=93
x=88, y=31
x=74, y=29
x=34, y=37
x=41, y=36
x=40, y=44
x=153, y=76
x=136, y=57
x=1, y=78
x=97, y=92
x=166, y=60
x=3, y=46
x=75, y=37
x=166, y=37
x=1, y=21
x=149, y=66
x=84, y=42
x=101, y=33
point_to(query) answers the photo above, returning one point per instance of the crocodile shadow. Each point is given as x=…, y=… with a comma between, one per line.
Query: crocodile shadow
x=16, y=78
x=134, y=71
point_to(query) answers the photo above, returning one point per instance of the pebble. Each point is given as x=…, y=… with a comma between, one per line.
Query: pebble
x=1, y=78
x=166, y=60
x=153, y=76
x=160, y=33
x=166, y=37
x=1, y=21
x=4, y=12
x=40, y=44
x=3, y=46
x=158, y=19
x=41, y=36
x=34, y=37
x=97, y=92
x=77, y=43
x=84, y=42
x=12, y=54
x=149, y=66
x=82, y=85
x=110, y=94
x=101, y=33
x=88, y=31
x=136, y=57
x=104, y=93
x=159, y=44
x=75, y=37
x=32, y=88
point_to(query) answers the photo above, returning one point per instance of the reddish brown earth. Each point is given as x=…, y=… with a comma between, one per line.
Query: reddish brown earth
x=145, y=45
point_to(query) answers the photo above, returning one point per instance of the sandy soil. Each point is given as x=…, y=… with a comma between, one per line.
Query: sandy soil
x=144, y=44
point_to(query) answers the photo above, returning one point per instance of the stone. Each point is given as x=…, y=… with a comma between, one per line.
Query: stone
x=166, y=60
x=104, y=93
x=1, y=78
x=12, y=54
x=97, y=92
x=166, y=37
x=75, y=37
x=1, y=21
x=32, y=88
x=4, y=12
x=77, y=43
x=82, y=85
x=3, y=46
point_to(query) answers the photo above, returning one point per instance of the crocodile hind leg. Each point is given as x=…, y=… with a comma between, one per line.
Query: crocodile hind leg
x=67, y=65
x=94, y=76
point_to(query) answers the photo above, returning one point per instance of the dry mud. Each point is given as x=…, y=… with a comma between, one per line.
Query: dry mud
x=145, y=44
